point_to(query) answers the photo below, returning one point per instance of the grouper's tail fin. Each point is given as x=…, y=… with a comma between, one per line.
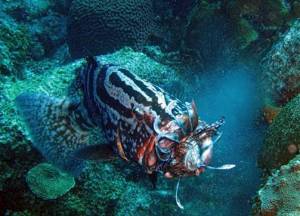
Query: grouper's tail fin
x=53, y=129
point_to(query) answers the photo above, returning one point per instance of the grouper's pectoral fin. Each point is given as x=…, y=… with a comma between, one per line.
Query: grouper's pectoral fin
x=102, y=152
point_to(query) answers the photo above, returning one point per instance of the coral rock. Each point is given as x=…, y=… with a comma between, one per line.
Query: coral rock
x=283, y=137
x=99, y=27
x=281, y=193
x=48, y=182
x=280, y=67
x=15, y=43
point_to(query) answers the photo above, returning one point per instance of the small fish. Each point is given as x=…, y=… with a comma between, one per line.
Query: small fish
x=142, y=123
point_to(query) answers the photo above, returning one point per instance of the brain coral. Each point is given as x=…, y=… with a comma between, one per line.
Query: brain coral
x=99, y=27
x=48, y=182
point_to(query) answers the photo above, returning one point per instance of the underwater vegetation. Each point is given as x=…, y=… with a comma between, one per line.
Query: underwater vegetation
x=238, y=59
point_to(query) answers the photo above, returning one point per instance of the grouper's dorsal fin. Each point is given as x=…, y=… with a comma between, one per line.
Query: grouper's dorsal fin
x=91, y=60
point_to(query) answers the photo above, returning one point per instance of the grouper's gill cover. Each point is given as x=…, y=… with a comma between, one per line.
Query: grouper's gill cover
x=54, y=129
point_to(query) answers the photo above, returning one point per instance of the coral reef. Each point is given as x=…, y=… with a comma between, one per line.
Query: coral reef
x=30, y=30
x=48, y=33
x=14, y=45
x=99, y=27
x=248, y=27
x=198, y=35
x=280, y=195
x=16, y=158
x=280, y=67
x=258, y=22
x=282, y=138
x=245, y=33
x=28, y=9
x=185, y=35
x=106, y=189
x=48, y=182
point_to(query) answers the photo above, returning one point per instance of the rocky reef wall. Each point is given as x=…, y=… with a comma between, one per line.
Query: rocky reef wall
x=279, y=156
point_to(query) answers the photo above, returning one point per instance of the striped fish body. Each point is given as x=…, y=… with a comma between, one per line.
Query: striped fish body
x=127, y=107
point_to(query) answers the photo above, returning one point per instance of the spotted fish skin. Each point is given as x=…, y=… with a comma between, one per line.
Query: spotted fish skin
x=126, y=107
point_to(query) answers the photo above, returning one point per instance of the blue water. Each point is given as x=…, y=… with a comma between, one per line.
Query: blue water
x=233, y=93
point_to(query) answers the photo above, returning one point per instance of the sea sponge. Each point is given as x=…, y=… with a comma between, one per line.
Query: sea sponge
x=48, y=182
x=98, y=27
